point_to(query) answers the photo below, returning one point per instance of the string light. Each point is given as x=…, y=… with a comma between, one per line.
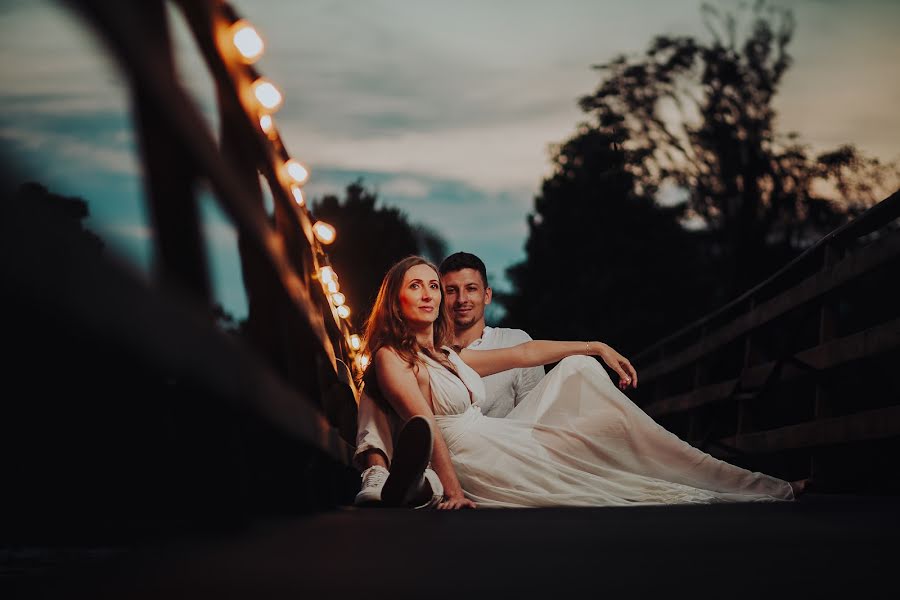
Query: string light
x=332, y=286
x=338, y=299
x=342, y=311
x=363, y=361
x=267, y=94
x=296, y=171
x=355, y=342
x=327, y=275
x=297, y=193
x=325, y=233
x=247, y=41
x=267, y=124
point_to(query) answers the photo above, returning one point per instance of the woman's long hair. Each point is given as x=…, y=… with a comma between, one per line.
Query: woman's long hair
x=387, y=328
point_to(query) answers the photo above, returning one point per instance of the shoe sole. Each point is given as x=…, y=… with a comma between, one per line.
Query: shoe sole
x=412, y=454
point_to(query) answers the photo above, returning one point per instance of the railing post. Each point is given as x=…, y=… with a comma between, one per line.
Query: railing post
x=170, y=177
x=701, y=378
x=750, y=350
x=827, y=330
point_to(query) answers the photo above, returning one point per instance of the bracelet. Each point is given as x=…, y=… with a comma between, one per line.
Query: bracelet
x=587, y=348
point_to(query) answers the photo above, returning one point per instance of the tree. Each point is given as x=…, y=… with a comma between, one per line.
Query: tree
x=63, y=214
x=370, y=240
x=605, y=259
x=701, y=116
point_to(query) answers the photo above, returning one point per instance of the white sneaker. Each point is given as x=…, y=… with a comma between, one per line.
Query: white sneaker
x=373, y=480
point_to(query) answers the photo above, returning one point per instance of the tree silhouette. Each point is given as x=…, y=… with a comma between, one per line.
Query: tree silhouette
x=598, y=250
x=700, y=117
x=370, y=239
x=603, y=259
x=64, y=215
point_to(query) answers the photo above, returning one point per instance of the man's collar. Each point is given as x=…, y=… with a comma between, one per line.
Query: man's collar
x=484, y=333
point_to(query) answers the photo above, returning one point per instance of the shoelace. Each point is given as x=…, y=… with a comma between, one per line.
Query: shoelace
x=374, y=478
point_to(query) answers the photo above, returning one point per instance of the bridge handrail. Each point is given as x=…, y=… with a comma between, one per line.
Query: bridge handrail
x=872, y=219
x=178, y=147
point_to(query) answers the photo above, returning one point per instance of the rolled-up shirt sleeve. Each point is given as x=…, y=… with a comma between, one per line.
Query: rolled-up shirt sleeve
x=526, y=379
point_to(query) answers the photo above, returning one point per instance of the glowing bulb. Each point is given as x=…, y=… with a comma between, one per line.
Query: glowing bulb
x=327, y=275
x=247, y=41
x=298, y=194
x=332, y=286
x=363, y=361
x=297, y=171
x=267, y=94
x=355, y=342
x=338, y=299
x=325, y=233
x=267, y=124
x=342, y=311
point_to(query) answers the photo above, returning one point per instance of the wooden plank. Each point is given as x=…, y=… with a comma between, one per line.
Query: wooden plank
x=870, y=342
x=180, y=257
x=862, y=261
x=699, y=397
x=868, y=425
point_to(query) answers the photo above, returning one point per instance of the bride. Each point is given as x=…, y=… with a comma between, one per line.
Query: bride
x=576, y=440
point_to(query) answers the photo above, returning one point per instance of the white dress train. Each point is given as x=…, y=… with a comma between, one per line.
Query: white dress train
x=577, y=440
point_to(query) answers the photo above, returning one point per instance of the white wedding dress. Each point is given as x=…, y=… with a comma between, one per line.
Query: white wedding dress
x=577, y=440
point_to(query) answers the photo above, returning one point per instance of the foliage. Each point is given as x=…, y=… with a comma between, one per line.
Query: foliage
x=701, y=117
x=64, y=215
x=697, y=119
x=603, y=262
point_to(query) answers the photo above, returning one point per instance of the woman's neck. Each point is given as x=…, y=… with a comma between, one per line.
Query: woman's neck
x=425, y=337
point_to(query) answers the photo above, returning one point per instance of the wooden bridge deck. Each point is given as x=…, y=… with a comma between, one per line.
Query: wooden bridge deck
x=820, y=546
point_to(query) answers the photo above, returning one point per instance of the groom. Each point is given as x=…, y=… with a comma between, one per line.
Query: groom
x=466, y=294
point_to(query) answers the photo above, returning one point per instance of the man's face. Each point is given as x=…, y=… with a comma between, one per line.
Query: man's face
x=465, y=297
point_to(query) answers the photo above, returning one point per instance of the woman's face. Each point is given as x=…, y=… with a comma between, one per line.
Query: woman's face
x=420, y=295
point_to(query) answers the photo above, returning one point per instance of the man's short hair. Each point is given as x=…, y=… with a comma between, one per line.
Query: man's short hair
x=464, y=260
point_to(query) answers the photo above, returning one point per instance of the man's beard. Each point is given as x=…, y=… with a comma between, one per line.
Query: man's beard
x=465, y=323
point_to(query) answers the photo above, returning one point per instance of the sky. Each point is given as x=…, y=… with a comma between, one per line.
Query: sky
x=446, y=109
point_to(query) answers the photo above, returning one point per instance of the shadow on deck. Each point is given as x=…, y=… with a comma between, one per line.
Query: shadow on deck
x=819, y=546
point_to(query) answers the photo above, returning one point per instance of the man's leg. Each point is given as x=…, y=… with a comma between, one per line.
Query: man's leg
x=374, y=448
x=372, y=477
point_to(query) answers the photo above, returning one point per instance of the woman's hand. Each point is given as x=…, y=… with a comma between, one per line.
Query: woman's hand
x=455, y=502
x=616, y=362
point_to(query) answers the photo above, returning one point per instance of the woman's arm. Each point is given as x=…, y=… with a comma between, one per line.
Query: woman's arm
x=542, y=352
x=399, y=385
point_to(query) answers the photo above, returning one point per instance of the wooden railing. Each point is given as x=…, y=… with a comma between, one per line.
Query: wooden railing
x=800, y=374
x=292, y=322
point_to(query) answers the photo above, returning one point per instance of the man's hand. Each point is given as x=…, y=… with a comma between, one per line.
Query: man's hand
x=618, y=363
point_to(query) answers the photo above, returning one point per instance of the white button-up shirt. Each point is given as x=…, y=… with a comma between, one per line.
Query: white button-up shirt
x=505, y=390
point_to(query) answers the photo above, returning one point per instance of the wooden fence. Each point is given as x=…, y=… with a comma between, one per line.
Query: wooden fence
x=801, y=374
x=293, y=319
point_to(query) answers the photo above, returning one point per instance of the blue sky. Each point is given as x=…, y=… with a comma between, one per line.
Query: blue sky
x=446, y=108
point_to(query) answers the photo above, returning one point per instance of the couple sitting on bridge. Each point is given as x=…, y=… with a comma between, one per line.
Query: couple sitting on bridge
x=432, y=432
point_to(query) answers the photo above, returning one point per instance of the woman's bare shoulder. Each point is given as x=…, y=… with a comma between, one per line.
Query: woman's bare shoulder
x=389, y=360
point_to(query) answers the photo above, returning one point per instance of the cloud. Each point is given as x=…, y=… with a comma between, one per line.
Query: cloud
x=128, y=232
x=66, y=152
x=405, y=187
